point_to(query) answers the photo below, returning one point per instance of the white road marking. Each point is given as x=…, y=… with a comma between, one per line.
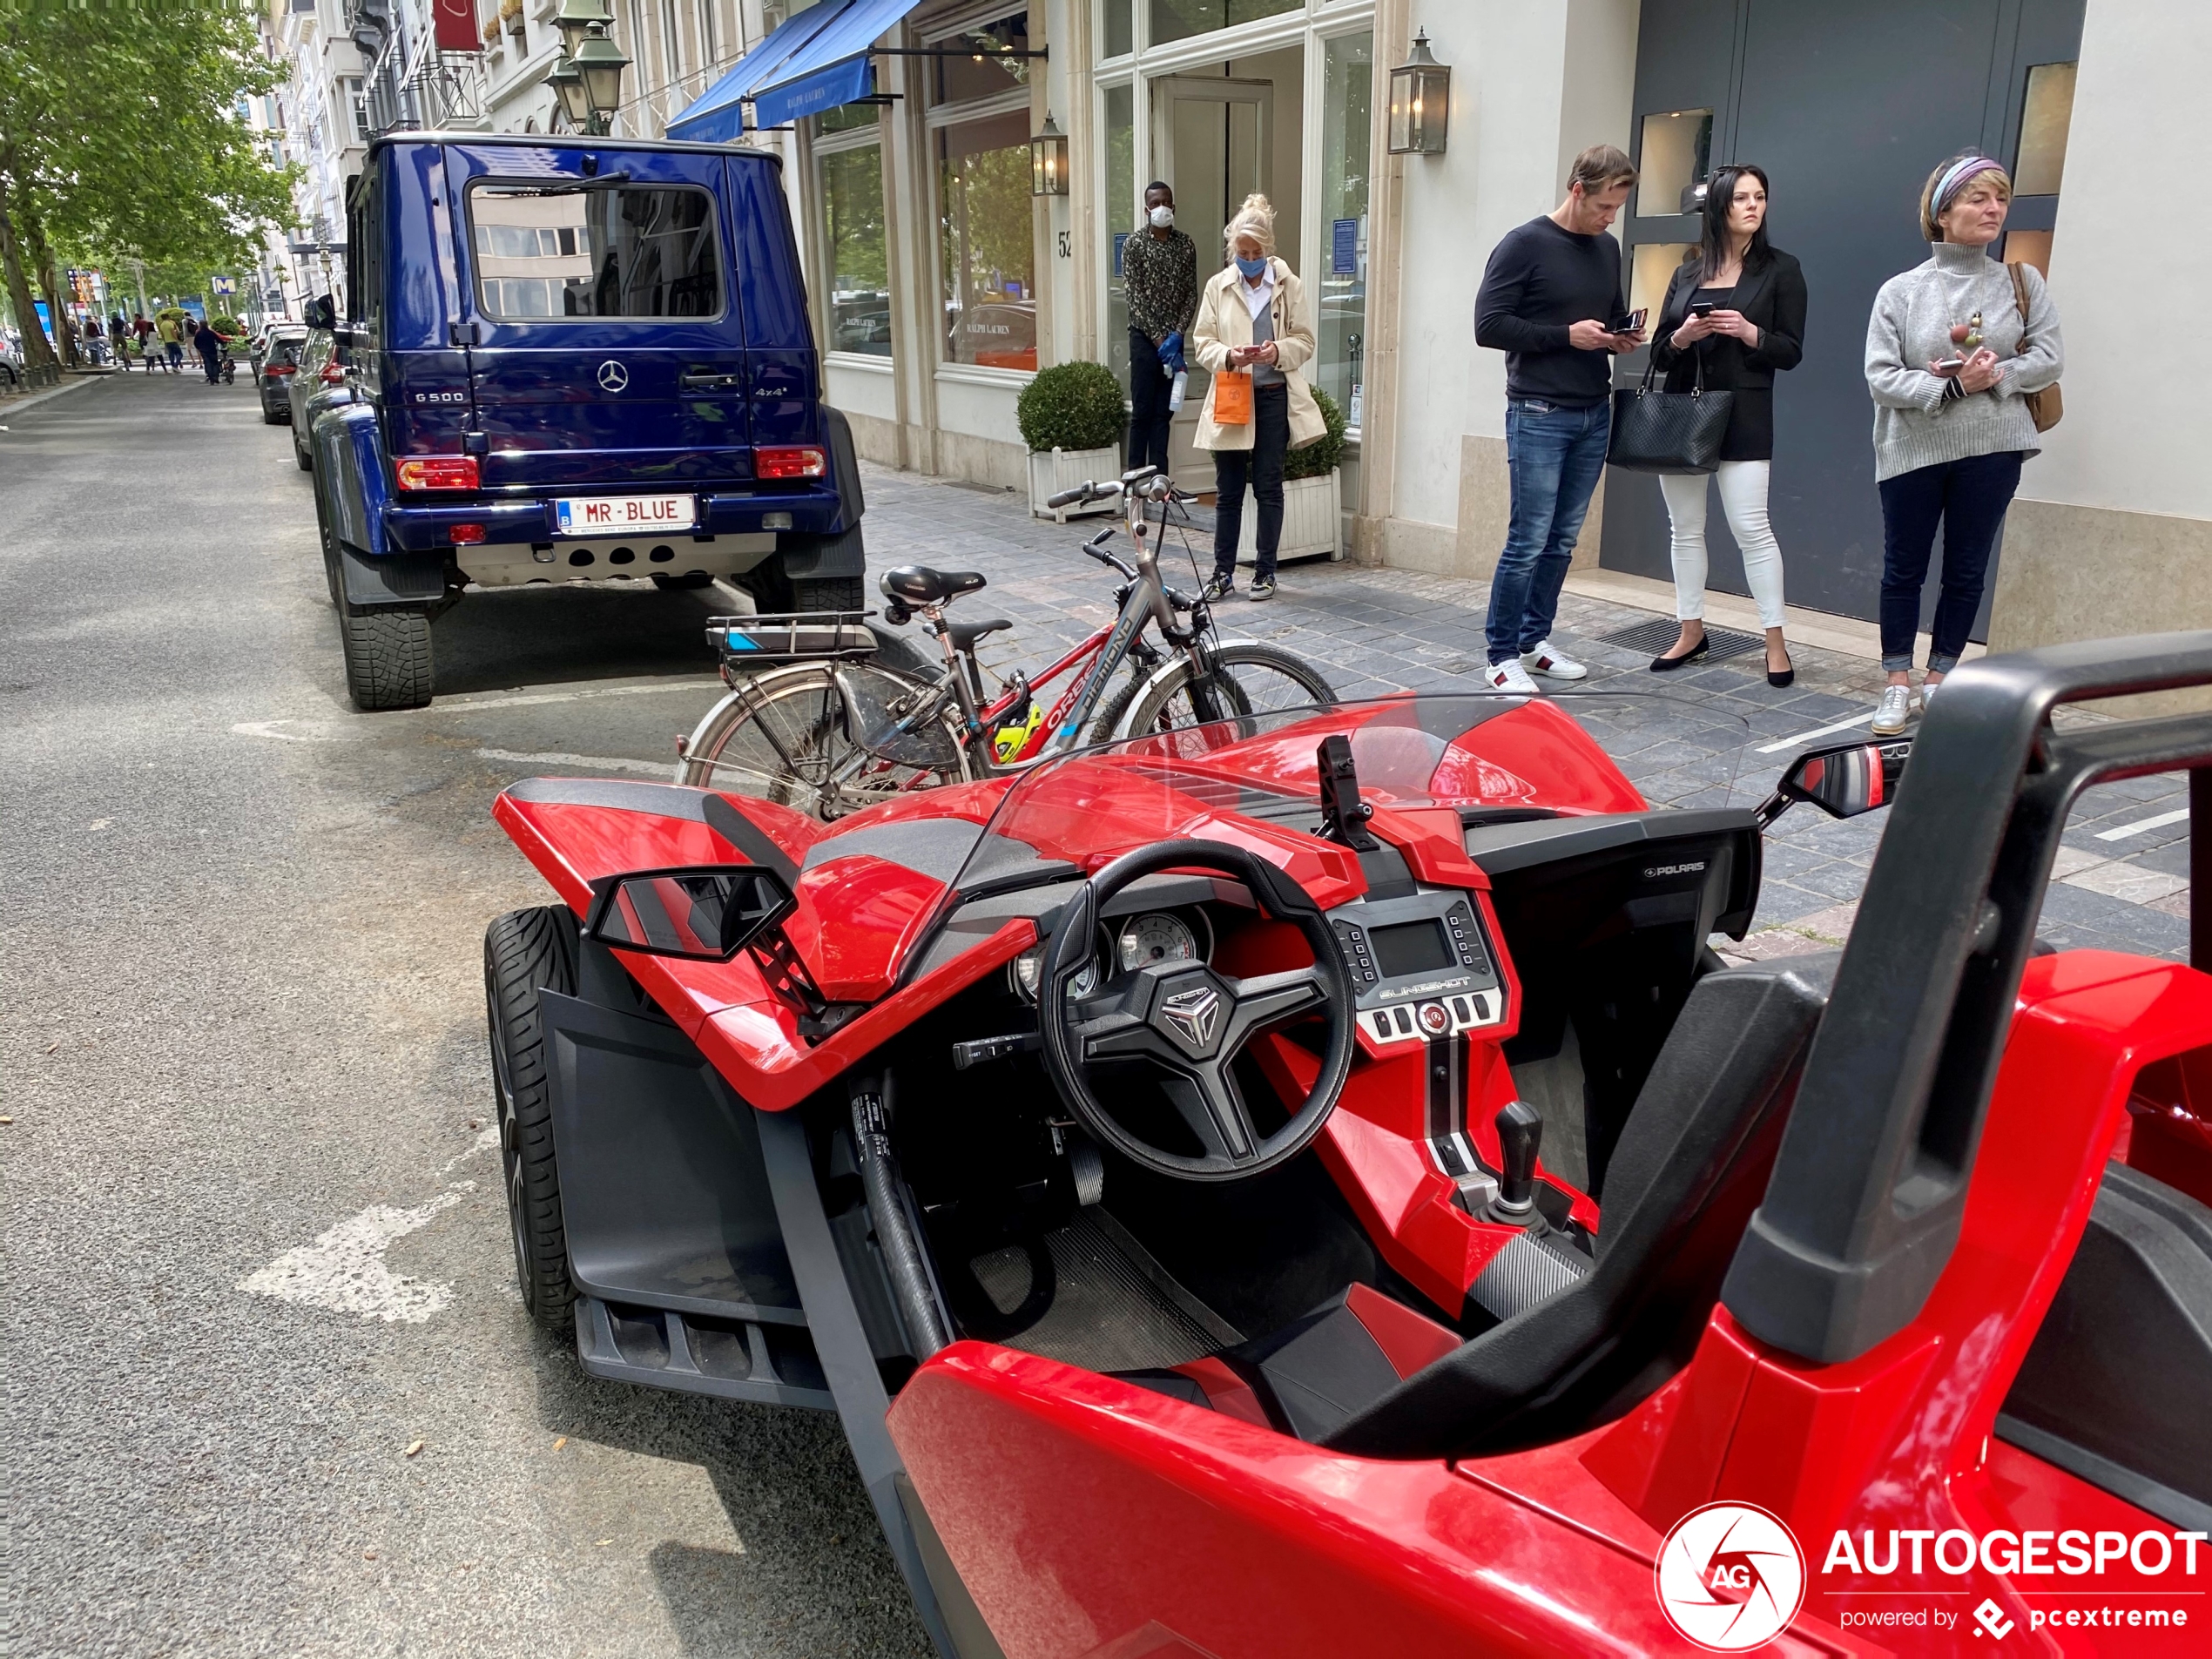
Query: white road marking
x=483, y=1143
x=664, y=770
x=344, y=1270
x=2142, y=825
x=268, y=729
x=1825, y=731
x=531, y=699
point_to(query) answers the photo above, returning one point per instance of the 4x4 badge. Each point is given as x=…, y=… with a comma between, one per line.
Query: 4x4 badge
x=612, y=376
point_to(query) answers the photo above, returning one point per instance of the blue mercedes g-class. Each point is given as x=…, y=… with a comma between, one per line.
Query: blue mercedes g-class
x=572, y=360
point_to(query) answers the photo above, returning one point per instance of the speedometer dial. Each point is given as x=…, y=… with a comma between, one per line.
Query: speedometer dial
x=1154, y=938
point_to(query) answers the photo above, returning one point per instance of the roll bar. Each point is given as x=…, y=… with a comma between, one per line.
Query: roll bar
x=1869, y=1186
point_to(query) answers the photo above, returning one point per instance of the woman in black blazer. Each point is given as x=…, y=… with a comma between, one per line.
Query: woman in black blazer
x=1750, y=323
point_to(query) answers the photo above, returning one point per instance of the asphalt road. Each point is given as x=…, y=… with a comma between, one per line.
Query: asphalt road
x=256, y=1245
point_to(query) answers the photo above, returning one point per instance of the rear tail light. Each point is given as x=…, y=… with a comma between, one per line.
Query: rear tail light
x=468, y=535
x=438, y=472
x=334, y=375
x=790, y=460
x=280, y=369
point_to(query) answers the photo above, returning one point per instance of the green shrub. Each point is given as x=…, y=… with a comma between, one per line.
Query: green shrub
x=1319, y=458
x=226, y=325
x=1072, y=406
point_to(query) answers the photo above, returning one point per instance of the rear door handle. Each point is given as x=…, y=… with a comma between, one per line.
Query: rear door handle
x=711, y=380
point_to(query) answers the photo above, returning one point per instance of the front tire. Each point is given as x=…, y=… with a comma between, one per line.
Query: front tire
x=1248, y=678
x=525, y=952
x=387, y=657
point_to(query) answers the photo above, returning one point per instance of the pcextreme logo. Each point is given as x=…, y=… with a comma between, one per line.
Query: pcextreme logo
x=1730, y=1577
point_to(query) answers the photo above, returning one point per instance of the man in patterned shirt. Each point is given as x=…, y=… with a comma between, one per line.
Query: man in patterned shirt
x=1160, y=267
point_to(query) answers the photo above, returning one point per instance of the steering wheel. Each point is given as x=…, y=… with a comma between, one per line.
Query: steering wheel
x=1192, y=1022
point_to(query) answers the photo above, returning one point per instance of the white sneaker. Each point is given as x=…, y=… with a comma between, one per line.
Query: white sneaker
x=1512, y=678
x=1553, y=664
x=1896, y=710
x=1927, y=694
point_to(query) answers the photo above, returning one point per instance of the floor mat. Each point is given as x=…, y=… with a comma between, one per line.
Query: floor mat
x=1114, y=1308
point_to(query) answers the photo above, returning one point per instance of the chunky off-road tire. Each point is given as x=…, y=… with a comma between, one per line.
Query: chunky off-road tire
x=525, y=952
x=776, y=593
x=387, y=657
x=1249, y=678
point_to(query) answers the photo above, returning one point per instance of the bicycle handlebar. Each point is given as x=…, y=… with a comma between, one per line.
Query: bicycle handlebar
x=1084, y=492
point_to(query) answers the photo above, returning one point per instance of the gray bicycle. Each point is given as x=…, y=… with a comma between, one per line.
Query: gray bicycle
x=826, y=716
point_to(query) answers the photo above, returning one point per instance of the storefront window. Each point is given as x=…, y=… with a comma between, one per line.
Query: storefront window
x=1348, y=78
x=987, y=242
x=989, y=71
x=854, y=251
x=1121, y=220
x=1179, y=19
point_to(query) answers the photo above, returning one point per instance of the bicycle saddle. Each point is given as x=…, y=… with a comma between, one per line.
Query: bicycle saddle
x=965, y=634
x=917, y=584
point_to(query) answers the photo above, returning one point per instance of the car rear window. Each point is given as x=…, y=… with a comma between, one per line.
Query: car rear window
x=623, y=251
x=283, y=350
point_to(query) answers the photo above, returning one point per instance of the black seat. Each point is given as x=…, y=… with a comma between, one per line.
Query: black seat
x=917, y=584
x=965, y=634
x=1362, y=1375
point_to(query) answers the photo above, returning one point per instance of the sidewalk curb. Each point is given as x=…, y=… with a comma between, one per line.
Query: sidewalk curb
x=10, y=406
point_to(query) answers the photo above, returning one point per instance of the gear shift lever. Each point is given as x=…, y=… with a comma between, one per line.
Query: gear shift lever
x=1520, y=1130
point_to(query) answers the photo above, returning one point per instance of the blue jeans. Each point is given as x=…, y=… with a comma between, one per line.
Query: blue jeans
x=1968, y=498
x=1555, y=457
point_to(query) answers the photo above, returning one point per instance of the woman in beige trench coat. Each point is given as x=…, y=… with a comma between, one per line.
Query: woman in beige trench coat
x=1252, y=320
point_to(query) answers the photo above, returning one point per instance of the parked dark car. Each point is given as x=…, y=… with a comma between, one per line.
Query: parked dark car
x=318, y=371
x=276, y=364
x=571, y=360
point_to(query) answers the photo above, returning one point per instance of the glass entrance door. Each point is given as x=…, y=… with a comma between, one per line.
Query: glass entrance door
x=1212, y=140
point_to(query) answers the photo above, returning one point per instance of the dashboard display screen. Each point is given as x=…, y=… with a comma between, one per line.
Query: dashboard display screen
x=1411, y=948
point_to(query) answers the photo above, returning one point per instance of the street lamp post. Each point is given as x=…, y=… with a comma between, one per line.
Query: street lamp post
x=587, y=77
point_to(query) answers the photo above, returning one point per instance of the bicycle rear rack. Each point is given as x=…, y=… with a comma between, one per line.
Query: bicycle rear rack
x=795, y=636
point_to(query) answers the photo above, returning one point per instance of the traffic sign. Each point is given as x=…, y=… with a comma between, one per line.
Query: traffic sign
x=223, y=285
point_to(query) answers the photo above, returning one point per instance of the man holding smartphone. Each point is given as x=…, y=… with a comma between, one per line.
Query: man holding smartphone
x=1551, y=301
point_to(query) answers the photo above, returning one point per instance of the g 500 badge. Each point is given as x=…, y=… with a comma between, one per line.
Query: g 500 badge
x=1008, y=741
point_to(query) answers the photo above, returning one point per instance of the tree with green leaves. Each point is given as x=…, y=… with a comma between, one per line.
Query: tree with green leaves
x=121, y=137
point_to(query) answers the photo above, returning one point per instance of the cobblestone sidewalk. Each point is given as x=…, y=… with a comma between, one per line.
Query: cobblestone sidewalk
x=1716, y=733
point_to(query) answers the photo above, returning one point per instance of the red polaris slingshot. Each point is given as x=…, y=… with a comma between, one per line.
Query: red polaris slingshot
x=1306, y=1186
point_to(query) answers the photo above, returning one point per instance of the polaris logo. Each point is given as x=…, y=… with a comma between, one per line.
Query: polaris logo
x=1195, y=1015
x=1657, y=870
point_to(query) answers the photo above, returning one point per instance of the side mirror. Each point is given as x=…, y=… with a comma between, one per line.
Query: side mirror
x=705, y=913
x=1843, y=780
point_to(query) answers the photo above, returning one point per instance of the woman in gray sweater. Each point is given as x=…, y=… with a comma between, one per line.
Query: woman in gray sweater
x=1949, y=362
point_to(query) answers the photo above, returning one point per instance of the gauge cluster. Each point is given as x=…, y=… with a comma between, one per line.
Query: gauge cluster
x=1181, y=934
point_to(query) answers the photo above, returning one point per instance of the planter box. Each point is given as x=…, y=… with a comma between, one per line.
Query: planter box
x=1313, y=521
x=1053, y=470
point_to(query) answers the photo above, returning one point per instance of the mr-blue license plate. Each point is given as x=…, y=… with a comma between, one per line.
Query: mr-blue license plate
x=626, y=515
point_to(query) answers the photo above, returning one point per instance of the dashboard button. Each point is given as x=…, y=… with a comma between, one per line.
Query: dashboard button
x=1404, y=1021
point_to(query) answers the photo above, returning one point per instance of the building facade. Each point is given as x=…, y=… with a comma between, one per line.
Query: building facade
x=941, y=283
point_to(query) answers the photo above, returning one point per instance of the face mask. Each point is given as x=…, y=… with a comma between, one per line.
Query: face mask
x=1252, y=269
x=1162, y=218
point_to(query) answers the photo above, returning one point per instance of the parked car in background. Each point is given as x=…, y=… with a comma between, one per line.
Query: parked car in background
x=556, y=381
x=317, y=371
x=11, y=364
x=995, y=335
x=258, y=351
x=276, y=364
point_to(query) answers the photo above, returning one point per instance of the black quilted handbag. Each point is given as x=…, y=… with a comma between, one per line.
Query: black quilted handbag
x=1677, y=432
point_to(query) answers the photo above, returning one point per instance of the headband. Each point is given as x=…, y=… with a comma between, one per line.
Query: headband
x=1955, y=177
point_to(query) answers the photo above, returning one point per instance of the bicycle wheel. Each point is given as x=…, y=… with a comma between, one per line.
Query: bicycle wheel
x=1248, y=678
x=787, y=736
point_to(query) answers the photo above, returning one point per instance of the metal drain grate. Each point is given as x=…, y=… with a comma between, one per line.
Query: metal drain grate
x=1656, y=636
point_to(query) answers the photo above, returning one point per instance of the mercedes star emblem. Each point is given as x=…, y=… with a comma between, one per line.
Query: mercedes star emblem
x=612, y=376
x=1194, y=1014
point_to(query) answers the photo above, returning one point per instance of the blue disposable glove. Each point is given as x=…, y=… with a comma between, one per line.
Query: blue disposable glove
x=1171, y=352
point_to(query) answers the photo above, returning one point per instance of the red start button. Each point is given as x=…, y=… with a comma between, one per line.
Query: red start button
x=1435, y=1019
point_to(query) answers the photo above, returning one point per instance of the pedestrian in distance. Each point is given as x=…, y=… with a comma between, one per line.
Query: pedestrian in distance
x=1550, y=299
x=1951, y=363
x=1160, y=273
x=209, y=344
x=1253, y=338
x=1735, y=312
x=172, y=342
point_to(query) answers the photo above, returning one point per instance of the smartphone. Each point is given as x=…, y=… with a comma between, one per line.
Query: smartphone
x=1634, y=325
x=1949, y=365
x=1701, y=307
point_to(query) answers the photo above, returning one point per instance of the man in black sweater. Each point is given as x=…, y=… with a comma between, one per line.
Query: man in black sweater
x=1551, y=301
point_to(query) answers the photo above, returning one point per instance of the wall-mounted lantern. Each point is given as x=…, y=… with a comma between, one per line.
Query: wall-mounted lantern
x=1420, y=103
x=1048, y=161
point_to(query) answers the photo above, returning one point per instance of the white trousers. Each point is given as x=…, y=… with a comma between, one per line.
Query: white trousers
x=1743, y=485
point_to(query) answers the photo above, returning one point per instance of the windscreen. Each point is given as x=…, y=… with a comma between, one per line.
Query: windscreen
x=1478, y=755
x=623, y=251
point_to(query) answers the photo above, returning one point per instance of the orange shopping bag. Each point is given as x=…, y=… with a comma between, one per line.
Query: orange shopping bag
x=1232, y=398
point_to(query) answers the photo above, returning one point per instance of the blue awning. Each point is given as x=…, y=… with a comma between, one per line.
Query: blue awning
x=811, y=61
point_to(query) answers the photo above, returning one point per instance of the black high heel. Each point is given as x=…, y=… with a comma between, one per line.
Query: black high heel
x=1667, y=664
x=1787, y=676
